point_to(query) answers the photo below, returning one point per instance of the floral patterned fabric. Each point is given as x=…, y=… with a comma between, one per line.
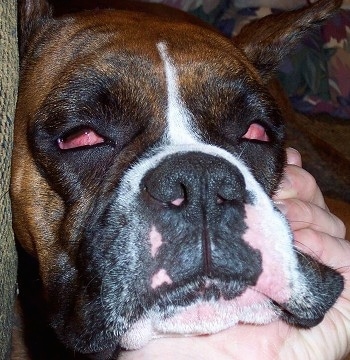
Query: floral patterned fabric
x=317, y=75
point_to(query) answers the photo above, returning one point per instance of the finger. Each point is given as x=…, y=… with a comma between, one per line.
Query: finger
x=293, y=157
x=329, y=250
x=302, y=215
x=299, y=184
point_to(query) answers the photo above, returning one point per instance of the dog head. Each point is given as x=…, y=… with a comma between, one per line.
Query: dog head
x=146, y=152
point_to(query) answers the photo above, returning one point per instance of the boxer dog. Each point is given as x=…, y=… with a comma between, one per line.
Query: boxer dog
x=147, y=149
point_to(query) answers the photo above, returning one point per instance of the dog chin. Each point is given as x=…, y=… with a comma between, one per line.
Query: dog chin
x=201, y=318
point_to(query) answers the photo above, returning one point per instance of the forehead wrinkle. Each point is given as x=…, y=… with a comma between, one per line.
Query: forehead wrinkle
x=180, y=127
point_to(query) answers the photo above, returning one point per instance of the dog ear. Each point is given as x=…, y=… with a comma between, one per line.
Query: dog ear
x=268, y=40
x=31, y=14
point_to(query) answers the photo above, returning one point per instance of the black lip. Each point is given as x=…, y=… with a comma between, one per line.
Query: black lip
x=303, y=313
x=325, y=285
x=202, y=288
x=108, y=354
x=300, y=322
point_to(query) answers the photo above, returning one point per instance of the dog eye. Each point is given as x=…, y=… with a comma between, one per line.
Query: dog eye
x=80, y=138
x=256, y=132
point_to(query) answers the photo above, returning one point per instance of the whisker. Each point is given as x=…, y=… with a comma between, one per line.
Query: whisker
x=243, y=150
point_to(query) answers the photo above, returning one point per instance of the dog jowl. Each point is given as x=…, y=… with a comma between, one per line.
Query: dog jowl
x=147, y=149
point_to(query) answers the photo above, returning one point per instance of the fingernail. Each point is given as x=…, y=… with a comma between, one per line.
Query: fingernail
x=290, y=148
x=293, y=157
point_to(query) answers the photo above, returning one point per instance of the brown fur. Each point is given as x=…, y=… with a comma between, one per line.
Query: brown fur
x=38, y=209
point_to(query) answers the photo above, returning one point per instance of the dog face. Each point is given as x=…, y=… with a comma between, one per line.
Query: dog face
x=145, y=156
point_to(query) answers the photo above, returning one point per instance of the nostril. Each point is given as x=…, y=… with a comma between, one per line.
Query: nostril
x=231, y=188
x=220, y=200
x=167, y=192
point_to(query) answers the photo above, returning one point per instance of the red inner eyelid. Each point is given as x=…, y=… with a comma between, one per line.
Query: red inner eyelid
x=256, y=132
x=88, y=137
x=83, y=137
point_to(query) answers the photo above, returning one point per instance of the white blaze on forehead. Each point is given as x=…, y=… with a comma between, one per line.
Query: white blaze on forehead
x=179, y=119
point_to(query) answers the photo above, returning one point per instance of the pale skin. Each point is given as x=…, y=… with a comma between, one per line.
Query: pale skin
x=317, y=232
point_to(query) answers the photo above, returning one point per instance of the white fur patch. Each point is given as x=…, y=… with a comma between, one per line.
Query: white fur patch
x=179, y=119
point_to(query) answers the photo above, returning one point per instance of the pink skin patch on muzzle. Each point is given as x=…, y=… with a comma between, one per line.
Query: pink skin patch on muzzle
x=277, y=256
x=156, y=240
x=160, y=278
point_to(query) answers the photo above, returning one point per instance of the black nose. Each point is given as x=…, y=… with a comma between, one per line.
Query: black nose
x=195, y=179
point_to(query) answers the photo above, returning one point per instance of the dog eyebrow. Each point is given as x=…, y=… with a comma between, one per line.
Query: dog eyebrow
x=180, y=128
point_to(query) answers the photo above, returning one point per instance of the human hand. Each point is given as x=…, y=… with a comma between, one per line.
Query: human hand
x=301, y=200
x=318, y=233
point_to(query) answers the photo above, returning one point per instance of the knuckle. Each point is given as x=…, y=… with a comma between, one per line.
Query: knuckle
x=306, y=211
x=309, y=182
x=303, y=183
x=340, y=228
x=300, y=214
x=309, y=241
